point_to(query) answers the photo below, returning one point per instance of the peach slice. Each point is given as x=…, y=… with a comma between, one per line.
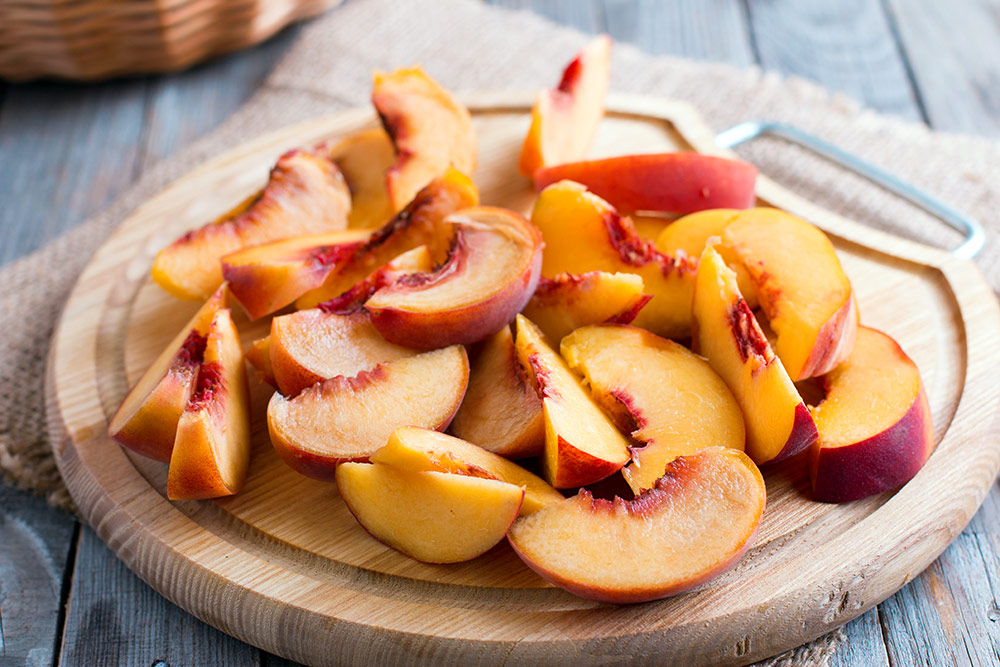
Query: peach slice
x=581, y=445
x=419, y=449
x=146, y=421
x=348, y=418
x=420, y=223
x=305, y=194
x=696, y=522
x=410, y=262
x=364, y=158
x=268, y=277
x=726, y=332
x=669, y=398
x=259, y=356
x=801, y=287
x=583, y=232
x=671, y=182
x=564, y=120
x=310, y=346
x=875, y=428
x=212, y=449
x=501, y=411
x=429, y=128
x=435, y=517
x=568, y=301
x=491, y=272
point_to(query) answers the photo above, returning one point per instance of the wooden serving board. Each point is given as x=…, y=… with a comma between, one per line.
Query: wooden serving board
x=284, y=566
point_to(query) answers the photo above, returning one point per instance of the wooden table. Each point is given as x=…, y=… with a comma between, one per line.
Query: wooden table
x=67, y=151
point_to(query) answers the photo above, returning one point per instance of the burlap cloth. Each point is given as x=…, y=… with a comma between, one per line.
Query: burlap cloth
x=469, y=46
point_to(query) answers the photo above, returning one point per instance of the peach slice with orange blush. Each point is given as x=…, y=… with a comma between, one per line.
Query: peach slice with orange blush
x=567, y=302
x=363, y=158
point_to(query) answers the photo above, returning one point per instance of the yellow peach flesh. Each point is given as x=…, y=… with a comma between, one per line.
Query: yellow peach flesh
x=363, y=158
x=568, y=301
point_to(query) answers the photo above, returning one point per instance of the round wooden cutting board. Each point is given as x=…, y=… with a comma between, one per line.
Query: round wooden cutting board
x=284, y=566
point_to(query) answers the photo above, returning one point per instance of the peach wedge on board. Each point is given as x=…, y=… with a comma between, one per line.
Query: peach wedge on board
x=363, y=158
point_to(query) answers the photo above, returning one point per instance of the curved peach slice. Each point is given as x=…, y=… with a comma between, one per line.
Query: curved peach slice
x=419, y=449
x=435, y=517
x=212, y=449
x=268, y=277
x=146, y=421
x=564, y=120
x=696, y=522
x=348, y=418
x=420, y=223
x=583, y=232
x=671, y=182
x=581, y=444
x=669, y=398
x=501, y=411
x=726, y=332
x=310, y=346
x=259, y=356
x=305, y=194
x=801, y=287
x=413, y=261
x=490, y=274
x=875, y=428
x=429, y=128
x=364, y=158
x=567, y=302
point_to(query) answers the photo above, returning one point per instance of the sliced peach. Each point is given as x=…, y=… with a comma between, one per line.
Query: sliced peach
x=348, y=418
x=583, y=232
x=268, y=277
x=569, y=301
x=212, y=449
x=259, y=356
x=501, y=411
x=669, y=398
x=364, y=158
x=435, y=517
x=146, y=421
x=801, y=286
x=491, y=272
x=696, y=522
x=305, y=195
x=726, y=332
x=581, y=445
x=410, y=262
x=875, y=428
x=564, y=120
x=651, y=224
x=429, y=128
x=419, y=449
x=671, y=182
x=310, y=346
x=420, y=223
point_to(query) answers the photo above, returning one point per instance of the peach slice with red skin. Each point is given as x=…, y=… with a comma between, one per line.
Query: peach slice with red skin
x=146, y=420
x=417, y=449
x=428, y=127
x=348, y=418
x=259, y=356
x=725, y=331
x=667, y=397
x=305, y=194
x=212, y=448
x=410, y=262
x=875, y=428
x=491, y=272
x=696, y=522
x=501, y=411
x=564, y=120
x=434, y=517
x=363, y=158
x=671, y=182
x=582, y=232
x=567, y=302
x=581, y=445
x=801, y=287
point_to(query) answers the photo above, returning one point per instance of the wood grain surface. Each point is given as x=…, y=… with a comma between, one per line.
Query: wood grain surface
x=284, y=566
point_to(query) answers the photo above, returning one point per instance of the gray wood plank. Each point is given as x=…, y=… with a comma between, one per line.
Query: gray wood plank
x=35, y=543
x=863, y=645
x=953, y=49
x=846, y=46
x=584, y=16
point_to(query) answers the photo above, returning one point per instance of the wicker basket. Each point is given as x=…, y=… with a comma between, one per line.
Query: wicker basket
x=95, y=39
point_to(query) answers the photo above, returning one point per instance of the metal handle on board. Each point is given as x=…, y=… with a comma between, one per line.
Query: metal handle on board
x=975, y=237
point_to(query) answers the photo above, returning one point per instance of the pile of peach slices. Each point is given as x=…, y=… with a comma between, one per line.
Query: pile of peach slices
x=571, y=341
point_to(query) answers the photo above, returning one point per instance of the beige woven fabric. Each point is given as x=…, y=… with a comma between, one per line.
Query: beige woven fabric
x=468, y=46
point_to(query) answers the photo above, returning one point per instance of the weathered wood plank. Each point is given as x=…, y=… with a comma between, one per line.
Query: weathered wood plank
x=953, y=49
x=863, y=645
x=584, y=16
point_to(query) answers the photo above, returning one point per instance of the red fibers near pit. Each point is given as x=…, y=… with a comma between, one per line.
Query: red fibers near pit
x=571, y=76
x=209, y=384
x=192, y=349
x=749, y=338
